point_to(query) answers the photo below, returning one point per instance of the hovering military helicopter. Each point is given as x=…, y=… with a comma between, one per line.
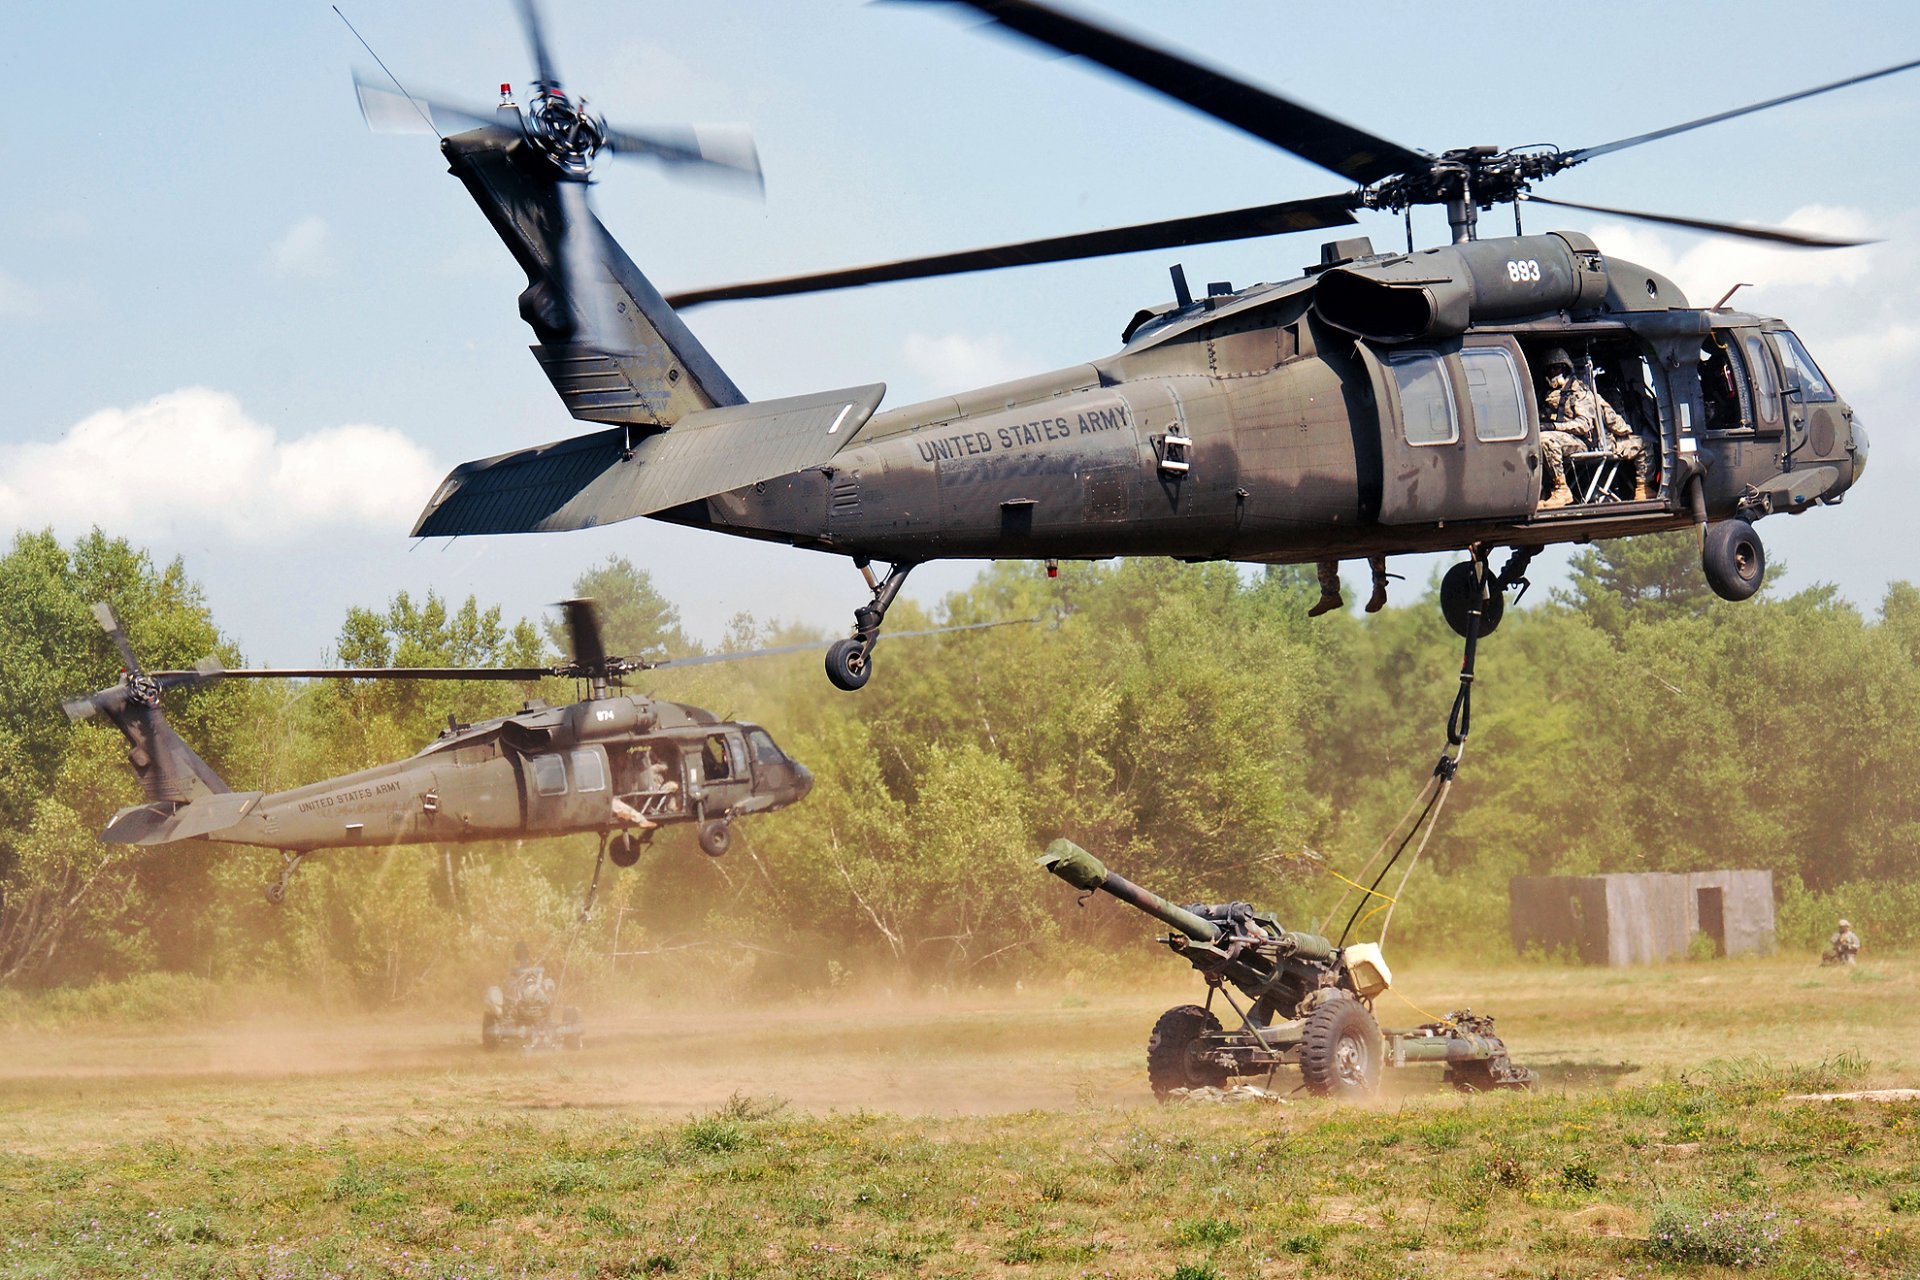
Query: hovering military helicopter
x=614, y=763
x=1379, y=403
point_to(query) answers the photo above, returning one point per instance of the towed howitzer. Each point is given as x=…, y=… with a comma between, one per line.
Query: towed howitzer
x=1308, y=1002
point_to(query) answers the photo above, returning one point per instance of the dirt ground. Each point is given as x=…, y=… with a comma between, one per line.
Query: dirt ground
x=978, y=1053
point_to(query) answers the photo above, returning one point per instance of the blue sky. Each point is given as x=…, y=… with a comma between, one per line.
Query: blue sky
x=214, y=281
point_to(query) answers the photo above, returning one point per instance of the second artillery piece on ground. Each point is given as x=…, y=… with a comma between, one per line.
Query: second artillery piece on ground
x=1310, y=1002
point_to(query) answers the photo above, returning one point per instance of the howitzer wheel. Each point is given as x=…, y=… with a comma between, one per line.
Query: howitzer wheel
x=1171, y=1063
x=1341, y=1050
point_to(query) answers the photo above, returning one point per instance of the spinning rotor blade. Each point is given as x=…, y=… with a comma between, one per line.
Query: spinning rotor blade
x=103, y=614
x=702, y=659
x=1605, y=148
x=390, y=111
x=537, y=41
x=712, y=151
x=373, y=673
x=583, y=633
x=583, y=275
x=1771, y=235
x=1332, y=144
x=1206, y=228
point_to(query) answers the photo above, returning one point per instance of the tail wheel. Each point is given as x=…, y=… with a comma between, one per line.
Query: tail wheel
x=849, y=665
x=1733, y=560
x=1341, y=1050
x=1457, y=588
x=1171, y=1063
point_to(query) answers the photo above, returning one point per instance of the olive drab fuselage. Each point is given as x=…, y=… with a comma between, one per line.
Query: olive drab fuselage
x=1377, y=404
x=542, y=771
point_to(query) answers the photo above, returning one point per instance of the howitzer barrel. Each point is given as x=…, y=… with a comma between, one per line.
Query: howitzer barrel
x=1084, y=871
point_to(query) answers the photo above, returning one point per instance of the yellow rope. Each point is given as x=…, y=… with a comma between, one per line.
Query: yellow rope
x=1417, y=1009
x=1356, y=884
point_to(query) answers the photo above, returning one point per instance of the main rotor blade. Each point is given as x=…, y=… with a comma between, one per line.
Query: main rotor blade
x=1206, y=228
x=700, y=660
x=1332, y=144
x=104, y=615
x=369, y=673
x=719, y=151
x=1588, y=153
x=1771, y=235
x=537, y=40
x=390, y=111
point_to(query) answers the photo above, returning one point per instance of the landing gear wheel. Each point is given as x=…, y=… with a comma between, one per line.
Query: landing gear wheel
x=1456, y=600
x=623, y=850
x=849, y=664
x=1170, y=1061
x=1733, y=559
x=715, y=838
x=1341, y=1050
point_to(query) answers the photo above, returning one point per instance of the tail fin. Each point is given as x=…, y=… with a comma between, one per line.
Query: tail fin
x=169, y=770
x=613, y=348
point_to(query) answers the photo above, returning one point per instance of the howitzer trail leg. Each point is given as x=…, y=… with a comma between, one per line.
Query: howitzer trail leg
x=277, y=891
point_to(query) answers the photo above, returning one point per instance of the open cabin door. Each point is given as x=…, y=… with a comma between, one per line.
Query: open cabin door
x=1459, y=433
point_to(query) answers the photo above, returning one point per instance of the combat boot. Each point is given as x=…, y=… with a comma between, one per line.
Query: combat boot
x=1378, y=600
x=1560, y=497
x=1328, y=602
x=1642, y=491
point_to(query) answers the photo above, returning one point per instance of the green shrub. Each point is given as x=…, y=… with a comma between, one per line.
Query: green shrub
x=1714, y=1237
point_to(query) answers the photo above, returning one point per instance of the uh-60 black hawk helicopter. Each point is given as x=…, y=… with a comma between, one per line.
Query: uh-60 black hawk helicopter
x=614, y=763
x=1379, y=403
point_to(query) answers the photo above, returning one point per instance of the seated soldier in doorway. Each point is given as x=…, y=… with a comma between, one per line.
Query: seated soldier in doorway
x=1575, y=419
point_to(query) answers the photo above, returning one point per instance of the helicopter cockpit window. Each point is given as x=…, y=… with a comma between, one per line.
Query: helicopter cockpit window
x=1426, y=403
x=764, y=751
x=1766, y=396
x=715, y=759
x=550, y=775
x=589, y=771
x=1801, y=368
x=1494, y=388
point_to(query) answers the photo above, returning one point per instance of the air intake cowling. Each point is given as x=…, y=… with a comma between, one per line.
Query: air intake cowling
x=1439, y=293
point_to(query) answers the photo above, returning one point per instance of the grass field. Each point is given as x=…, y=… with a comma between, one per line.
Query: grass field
x=983, y=1134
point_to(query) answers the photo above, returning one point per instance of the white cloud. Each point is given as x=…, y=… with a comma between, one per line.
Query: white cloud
x=192, y=461
x=305, y=252
x=957, y=362
x=17, y=302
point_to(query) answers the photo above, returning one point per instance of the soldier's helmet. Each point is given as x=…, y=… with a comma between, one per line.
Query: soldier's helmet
x=1557, y=358
x=1845, y=925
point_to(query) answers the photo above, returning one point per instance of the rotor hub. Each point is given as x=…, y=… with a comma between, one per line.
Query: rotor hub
x=565, y=131
x=143, y=689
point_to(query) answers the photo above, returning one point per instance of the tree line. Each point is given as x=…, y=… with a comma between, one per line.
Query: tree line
x=1186, y=723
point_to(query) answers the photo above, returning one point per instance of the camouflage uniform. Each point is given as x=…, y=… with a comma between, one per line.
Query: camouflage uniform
x=1330, y=598
x=1573, y=414
x=1842, y=947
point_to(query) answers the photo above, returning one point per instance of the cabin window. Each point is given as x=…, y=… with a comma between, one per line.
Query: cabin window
x=1495, y=391
x=589, y=771
x=550, y=775
x=1801, y=368
x=1765, y=396
x=763, y=749
x=1426, y=403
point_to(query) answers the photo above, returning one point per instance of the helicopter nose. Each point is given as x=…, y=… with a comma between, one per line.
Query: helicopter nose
x=802, y=780
x=1861, y=448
